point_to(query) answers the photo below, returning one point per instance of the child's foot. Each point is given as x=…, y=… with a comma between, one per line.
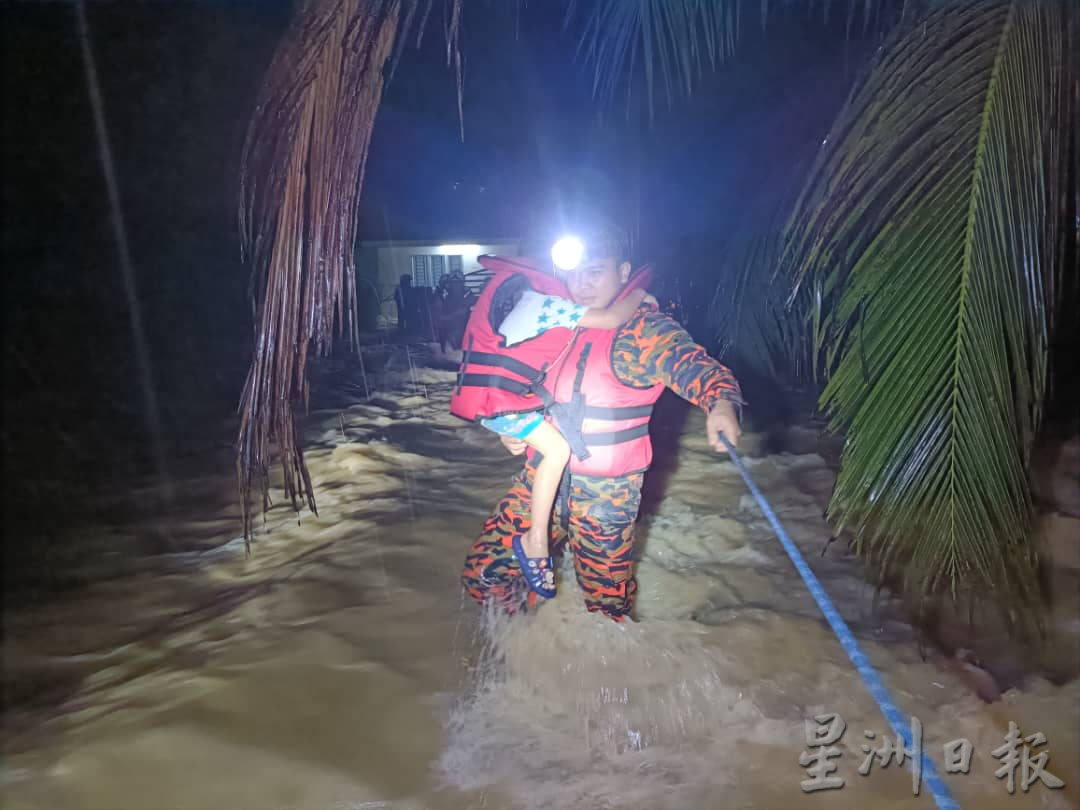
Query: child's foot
x=534, y=544
x=539, y=572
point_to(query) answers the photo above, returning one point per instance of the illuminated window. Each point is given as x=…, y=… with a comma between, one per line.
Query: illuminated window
x=421, y=276
x=455, y=264
x=438, y=269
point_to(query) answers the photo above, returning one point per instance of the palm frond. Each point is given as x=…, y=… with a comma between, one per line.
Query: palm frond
x=677, y=40
x=301, y=175
x=748, y=316
x=301, y=169
x=929, y=235
x=674, y=39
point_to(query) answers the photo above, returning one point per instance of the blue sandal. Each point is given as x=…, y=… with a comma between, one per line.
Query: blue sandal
x=539, y=571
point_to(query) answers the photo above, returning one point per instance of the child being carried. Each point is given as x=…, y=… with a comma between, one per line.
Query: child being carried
x=533, y=314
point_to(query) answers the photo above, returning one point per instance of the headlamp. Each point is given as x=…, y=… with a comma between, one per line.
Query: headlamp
x=567, y=253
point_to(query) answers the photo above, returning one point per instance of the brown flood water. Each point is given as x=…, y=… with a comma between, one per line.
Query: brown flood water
x=340, y=668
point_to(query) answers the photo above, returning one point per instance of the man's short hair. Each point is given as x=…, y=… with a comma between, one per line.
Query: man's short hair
x=607, y=241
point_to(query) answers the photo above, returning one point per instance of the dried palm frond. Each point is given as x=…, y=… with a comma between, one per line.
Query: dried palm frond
x=302, y=171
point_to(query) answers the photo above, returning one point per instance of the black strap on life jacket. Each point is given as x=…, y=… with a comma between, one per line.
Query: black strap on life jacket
x=610, y=437
x=570, y=416
x=464, y=363
x=562, y=499
x=618, y=414
x=511, y=364
x=536, y=377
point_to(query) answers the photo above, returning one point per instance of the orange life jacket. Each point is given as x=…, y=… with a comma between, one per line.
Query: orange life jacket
x=566, y=372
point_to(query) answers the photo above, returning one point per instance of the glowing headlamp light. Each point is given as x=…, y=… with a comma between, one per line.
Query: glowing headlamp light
x=567, y=253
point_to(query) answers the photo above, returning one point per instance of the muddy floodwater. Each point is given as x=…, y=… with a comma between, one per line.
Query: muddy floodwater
x=339, y=667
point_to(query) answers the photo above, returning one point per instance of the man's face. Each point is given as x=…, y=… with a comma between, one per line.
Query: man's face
x=596, y=282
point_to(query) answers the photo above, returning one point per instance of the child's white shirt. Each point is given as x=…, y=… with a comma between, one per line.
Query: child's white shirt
x=535, y=313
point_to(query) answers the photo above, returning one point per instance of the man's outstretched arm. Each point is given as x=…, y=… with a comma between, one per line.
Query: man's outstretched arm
x=652, y=348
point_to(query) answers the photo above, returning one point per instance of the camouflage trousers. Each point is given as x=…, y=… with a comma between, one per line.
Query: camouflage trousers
x=594, y=517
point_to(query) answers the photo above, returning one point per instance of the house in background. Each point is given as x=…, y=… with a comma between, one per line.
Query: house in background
x=381, y=264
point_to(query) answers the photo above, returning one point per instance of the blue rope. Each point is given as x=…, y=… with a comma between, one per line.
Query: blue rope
x=938, y=790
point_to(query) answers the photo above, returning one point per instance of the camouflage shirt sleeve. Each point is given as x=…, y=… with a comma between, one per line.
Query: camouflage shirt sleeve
x=652, y=348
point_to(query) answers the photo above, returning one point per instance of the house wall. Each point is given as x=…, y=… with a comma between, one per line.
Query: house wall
x=381, y=265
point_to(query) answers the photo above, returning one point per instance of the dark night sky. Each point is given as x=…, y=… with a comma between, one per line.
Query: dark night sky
x=535, y=137
x=179, y=82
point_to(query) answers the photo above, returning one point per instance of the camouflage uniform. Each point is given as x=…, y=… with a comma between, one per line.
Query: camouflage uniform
x=596, y=514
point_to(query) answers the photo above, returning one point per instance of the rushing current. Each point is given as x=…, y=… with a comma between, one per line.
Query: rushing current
x=339, y=667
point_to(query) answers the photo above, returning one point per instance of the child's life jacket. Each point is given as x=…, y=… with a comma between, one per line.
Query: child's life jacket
x=496, y=379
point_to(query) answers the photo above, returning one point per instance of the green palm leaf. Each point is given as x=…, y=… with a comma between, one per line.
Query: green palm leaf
x=930, y=233
x=747, y=315
x=676, y=40
x=673, y=38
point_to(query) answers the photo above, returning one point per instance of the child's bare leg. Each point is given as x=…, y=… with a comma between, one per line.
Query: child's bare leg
x=549, y=472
